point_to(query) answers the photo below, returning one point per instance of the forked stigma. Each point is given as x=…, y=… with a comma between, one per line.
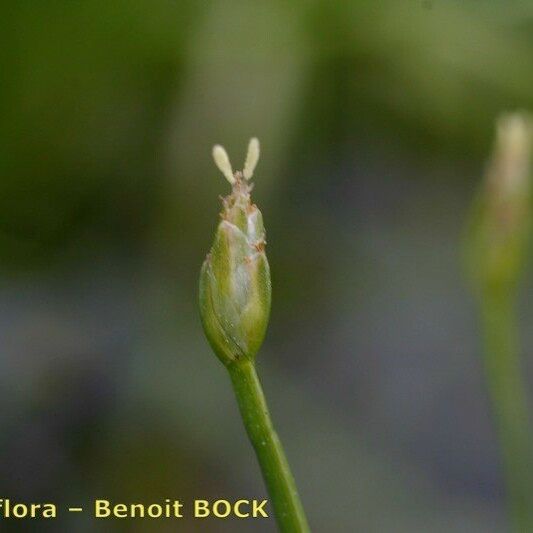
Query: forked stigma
x=222, y=161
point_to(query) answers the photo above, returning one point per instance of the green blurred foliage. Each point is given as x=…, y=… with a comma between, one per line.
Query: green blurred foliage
x=89, y=90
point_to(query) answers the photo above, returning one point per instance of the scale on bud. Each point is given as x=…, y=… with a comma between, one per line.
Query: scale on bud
x=235, y=289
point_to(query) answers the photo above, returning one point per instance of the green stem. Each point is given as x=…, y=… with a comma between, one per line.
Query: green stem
x=508, y=395
x=276, y=472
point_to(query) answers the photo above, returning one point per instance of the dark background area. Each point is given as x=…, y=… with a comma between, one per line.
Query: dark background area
x=376, y=120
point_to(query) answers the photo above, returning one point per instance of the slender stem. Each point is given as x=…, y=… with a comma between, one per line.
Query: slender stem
x=508, y=395
x=276, y=472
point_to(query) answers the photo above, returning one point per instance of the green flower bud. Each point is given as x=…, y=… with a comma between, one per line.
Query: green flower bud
x=501, y=217
x=235, y=289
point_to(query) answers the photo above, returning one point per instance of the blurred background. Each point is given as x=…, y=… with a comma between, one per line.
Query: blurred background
x=376, y=121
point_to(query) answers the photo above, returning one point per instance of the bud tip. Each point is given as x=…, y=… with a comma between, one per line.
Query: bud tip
x=513, y=146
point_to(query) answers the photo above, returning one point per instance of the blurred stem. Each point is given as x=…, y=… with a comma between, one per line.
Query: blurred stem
x=276, y=472
x=508, y=395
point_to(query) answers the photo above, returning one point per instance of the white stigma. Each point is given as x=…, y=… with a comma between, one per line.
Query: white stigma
x=252, y=157
x=223, y=163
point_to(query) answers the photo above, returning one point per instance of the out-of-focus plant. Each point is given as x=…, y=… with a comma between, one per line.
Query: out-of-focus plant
x=496, y=247
x=235, y=293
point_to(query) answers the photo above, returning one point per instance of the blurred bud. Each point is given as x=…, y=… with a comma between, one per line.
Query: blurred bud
x=235, y=288
x=501, y=218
